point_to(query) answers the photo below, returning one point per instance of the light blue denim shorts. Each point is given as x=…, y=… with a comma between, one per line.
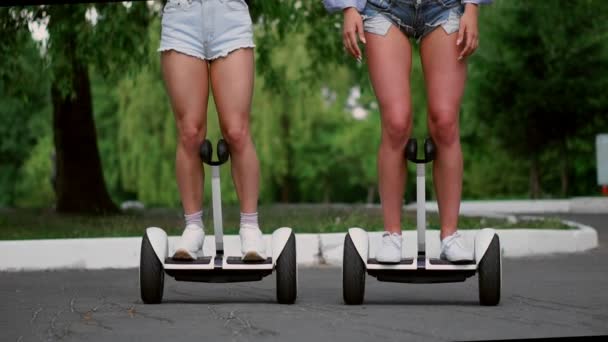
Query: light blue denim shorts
x=206, y=29
x=415, y=18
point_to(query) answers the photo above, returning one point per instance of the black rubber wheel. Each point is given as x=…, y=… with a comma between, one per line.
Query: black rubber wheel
x=353, y=274
x=287, y=273
x=490, y=273
x=151, y=274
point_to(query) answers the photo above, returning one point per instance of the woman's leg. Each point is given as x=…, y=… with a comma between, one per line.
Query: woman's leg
x=187, y=82
x=232, y=84
x=389, y=58
x=445, y=78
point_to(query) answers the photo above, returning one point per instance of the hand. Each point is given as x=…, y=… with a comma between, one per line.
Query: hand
x=353, y=28
x=468, y=33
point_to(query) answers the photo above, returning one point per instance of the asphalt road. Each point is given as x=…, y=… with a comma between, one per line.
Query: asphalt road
x=562, y=295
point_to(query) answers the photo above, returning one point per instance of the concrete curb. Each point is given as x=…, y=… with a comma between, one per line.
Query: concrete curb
x=313, y=249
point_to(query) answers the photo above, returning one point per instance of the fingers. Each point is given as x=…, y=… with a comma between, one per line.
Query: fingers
x=354, y=44
x=361, y=36
x=361, y=32
x=471, y=43
x=461, y=31
x=470, y=39
x=350, y=43
x=349, y=37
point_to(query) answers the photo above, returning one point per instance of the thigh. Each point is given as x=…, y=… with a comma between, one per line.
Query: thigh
x=232, y=84
x=389, y=59
x=187, y=82
x=444, y=74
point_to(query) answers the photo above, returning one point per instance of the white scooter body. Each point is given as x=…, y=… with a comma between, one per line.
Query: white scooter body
x=160, y=243
x=422, y=269
x=361, y=240
x=218, y=268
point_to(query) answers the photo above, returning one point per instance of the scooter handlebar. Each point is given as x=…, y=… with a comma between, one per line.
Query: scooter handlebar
x=411, y=151
x=206, y=152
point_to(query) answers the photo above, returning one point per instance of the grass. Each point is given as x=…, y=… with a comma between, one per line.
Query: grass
x=46, y=224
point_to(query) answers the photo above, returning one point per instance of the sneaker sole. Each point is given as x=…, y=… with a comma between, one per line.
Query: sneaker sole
x=182, y=254
x=461, y=262
x=456, y=262
x=253, y=256
x=389, y=262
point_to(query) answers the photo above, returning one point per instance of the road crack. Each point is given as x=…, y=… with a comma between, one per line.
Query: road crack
x=238, y=325
x=35, y=315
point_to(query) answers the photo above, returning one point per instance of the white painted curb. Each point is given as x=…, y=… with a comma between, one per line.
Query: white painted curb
x=100, y=253
x=312, y=249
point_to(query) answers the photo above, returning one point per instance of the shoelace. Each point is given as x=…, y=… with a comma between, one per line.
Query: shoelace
x=391, y=238
x=453, y=239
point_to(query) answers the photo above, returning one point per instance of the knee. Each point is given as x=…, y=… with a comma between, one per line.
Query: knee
x=443, y=126
x=237, y=136
x=396, y=127
x=191, y=136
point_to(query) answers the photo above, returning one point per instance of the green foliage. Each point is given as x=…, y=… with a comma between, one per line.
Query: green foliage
x=24, y=106
x=44, y=224
x=74, y=37
x=34, y=185
x=537, y=86
x=146, y=135
x=534, y=95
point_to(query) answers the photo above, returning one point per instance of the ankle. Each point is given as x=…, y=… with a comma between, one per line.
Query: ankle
x=249, y=220
x=195, y=219
x=445, y=233
x=393, y=231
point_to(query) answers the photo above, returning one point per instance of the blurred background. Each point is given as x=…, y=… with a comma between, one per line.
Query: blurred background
x=85, y=123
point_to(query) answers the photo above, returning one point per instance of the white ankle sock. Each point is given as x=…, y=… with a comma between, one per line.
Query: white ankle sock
x=195, y=218
x=250, y=219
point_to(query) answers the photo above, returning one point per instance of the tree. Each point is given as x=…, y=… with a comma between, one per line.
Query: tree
x=24, y=105
x=536, y=85
x=79, y=37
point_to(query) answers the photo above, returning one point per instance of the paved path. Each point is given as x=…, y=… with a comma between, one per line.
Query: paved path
x=550, y=296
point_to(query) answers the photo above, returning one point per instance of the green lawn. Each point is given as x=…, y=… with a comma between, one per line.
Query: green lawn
x=44, y=224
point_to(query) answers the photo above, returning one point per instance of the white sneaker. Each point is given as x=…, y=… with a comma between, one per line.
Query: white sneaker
x=252, y=243
x=389, y=251
x=189, y=243
x=453, y=249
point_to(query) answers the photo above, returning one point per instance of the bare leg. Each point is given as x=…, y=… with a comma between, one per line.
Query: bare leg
x=187, y=82
x=445, y=79
x=232, y=83
x=390, y=58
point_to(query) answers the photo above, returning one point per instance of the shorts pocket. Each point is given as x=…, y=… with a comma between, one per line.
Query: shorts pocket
x=177, y=5
x=448, y=3
x=236, y=5
x=382, y=4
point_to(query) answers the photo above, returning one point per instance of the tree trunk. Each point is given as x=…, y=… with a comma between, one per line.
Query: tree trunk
x=80, y=184
x=371, y=194
x=535, y=189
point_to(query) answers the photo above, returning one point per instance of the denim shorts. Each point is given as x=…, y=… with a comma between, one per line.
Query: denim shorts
x=415, y=18
x=206, y=29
